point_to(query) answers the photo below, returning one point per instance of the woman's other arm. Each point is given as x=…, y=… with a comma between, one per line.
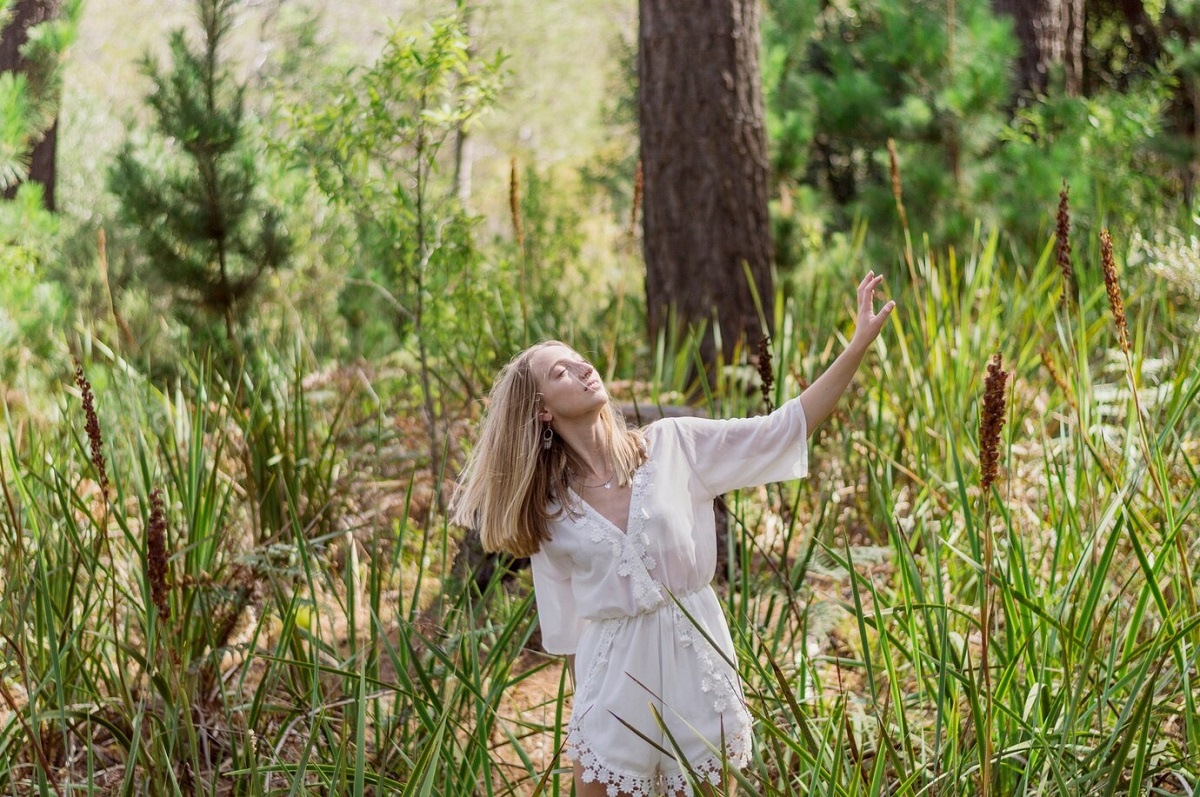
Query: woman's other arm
x=822, y=395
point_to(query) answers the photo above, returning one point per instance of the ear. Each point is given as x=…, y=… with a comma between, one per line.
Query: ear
x=545, y=417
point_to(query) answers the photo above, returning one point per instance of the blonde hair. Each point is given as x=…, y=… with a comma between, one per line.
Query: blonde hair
x=511, y=484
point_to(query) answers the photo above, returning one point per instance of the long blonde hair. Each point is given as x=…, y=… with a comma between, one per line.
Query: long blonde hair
x=512, y=487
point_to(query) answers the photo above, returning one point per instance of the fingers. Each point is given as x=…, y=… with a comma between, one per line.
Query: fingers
x=866, y=290
x=866, y=303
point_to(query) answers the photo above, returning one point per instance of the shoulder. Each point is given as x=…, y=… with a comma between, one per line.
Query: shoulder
x=681, y=427
x=670, y=434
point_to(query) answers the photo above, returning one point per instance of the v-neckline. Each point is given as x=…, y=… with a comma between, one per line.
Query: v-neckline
x=597, y=514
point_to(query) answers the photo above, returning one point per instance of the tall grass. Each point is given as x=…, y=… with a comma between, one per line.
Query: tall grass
x=1083, y=682
x=295, y=623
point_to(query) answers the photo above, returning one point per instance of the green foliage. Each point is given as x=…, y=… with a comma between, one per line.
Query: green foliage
x=29, y=100
x=842, y=79
x=1107, y=148
x=548, y=256
x=197, y=205
x=377, y=150
x=32, y=306
x=18, y=122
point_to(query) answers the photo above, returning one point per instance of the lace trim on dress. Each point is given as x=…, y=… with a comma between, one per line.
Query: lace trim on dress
x=737, y=755
x=727, y=695
x=617, y=781
x=629, y=548
x=599, y=661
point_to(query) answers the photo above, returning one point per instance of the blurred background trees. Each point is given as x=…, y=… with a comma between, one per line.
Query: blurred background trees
x=990, y=105
x=323, y=140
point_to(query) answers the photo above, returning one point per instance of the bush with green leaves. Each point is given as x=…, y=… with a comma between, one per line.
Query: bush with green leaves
x=375, y=144
x=33, y=307
x=377, y=148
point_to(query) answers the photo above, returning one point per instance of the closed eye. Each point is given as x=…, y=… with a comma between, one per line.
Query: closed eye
x=562, y=368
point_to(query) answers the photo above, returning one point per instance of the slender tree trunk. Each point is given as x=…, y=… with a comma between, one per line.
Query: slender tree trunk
x=43, y=157
x=1050, y=34
x=705, y=168
x=462, y=149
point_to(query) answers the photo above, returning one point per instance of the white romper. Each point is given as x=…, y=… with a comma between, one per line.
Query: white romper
x=621, y=602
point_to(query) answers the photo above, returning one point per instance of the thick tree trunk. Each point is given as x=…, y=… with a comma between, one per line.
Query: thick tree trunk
x=28, y=13
x=1050, y=33
x=705, y=165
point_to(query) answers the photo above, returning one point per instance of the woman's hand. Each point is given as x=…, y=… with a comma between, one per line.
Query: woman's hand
x=822, y=395
x=869, y=323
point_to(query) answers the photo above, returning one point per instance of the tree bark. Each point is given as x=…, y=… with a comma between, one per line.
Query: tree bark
x=43, y=158
x=1050, y=34
x=706, y=170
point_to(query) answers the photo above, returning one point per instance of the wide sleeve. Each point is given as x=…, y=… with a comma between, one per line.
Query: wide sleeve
x=745, y=452
x=556, y=607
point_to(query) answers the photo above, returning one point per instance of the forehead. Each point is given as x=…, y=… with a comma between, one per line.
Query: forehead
x=541, y=360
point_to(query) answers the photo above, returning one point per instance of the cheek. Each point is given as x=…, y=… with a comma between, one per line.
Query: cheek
x=552, y=396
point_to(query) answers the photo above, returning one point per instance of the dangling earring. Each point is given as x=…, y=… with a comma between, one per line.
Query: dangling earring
x=547, y=438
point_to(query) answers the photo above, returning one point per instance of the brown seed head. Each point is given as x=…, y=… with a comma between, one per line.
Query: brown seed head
x=156, y=556
x=639, y=186
x=991, y=422
x=514, y=202
x=95, y=439
x=1113, y=286
x=1062, y=239
x=765, y=373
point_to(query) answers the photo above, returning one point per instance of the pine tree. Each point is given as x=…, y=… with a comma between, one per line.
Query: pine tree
x=208, y=233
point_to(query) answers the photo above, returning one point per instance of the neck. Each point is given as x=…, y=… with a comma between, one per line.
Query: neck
x=588, y=440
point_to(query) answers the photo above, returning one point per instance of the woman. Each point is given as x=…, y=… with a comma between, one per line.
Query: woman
x=620, y=528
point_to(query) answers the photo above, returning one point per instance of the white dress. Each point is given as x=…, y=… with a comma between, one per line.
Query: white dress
x=638, y=610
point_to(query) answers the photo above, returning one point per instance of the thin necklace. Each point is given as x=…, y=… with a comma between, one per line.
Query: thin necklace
x=606, y=484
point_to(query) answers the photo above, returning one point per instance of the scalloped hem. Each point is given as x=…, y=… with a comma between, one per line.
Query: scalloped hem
x=631, y=784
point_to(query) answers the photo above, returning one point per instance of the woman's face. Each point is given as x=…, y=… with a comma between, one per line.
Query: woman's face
x=570, y=387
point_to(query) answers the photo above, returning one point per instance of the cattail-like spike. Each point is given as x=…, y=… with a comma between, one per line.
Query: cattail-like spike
x=514, y=202
x=95, y=439
x=156, y=556
x=1113, y=286
x=1062, y=240
x=765, y=373
x=991, y=422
